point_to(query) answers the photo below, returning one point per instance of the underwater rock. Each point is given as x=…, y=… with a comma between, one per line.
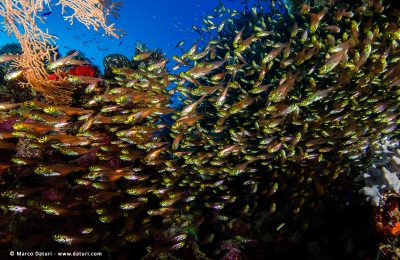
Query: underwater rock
x=144, y=57
x=11, y=48
x=114, y=61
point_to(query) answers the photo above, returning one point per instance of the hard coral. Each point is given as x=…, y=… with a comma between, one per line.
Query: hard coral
x=382, y=178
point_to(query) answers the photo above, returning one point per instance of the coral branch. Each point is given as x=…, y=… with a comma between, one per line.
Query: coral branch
x=38, y=46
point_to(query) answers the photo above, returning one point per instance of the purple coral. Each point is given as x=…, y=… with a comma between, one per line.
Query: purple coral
x=233, y=252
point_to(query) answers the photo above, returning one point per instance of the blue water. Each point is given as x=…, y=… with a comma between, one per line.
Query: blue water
x=158, y=24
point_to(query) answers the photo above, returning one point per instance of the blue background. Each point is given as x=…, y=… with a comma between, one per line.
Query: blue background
x=158, y=24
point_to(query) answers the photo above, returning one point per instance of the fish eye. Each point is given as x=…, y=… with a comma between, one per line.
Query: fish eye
x=40, y=169
x=49, y=109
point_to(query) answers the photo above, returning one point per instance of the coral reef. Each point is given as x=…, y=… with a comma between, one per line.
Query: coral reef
x=382, y=178
x=114, y=61
x=382, y=185
x=280, y=112
x=37, y=45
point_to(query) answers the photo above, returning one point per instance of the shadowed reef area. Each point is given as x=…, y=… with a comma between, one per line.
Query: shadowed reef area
x=253, y=144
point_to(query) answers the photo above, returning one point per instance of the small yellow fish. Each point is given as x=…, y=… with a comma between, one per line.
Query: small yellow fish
x=14, y=74
x=62, y=61
x=142, y=56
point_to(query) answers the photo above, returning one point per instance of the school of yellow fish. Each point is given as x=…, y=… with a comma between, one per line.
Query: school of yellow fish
x=278, y=114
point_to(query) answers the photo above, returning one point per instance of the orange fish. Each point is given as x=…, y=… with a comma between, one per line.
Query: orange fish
x=62, y=61
x=316, y=18
x=33, y=127
x=198, y=72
